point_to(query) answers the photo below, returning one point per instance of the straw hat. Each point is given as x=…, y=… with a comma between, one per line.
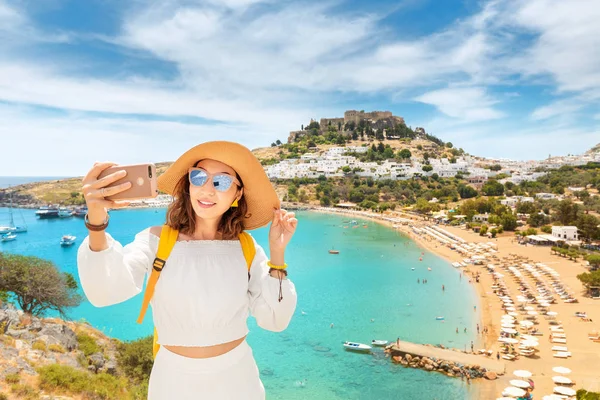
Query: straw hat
x=259, y=194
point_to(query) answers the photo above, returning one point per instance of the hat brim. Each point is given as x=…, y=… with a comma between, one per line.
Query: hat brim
x=259, y=194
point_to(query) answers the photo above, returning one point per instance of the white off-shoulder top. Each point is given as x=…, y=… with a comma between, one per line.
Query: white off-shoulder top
x=203, y=296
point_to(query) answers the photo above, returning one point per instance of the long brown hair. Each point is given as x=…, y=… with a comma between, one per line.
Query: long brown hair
x=181, y=214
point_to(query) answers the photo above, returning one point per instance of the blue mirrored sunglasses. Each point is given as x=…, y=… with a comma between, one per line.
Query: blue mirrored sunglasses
x=221, y=182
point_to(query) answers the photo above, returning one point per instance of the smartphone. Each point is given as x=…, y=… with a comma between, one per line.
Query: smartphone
x=142, y=178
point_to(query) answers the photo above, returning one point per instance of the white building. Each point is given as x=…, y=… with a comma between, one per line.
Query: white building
x=565, y=232
x=481, y=217
x=545, y=196
x=513, y=201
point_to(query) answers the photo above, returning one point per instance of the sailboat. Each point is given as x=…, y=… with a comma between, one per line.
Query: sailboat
x=11, y=228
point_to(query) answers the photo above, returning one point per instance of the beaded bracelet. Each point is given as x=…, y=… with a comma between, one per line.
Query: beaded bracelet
x=279, y=267
x=285, y=273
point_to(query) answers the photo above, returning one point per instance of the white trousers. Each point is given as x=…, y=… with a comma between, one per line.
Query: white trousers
x=230, y=376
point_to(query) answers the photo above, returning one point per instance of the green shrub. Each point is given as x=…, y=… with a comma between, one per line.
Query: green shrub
x=87, y=344
x=135, y=358
x=25, y=391
x=39, y=345
x=12, y=378
x=57, y=348
x=92, y=386
x=583, y=394
x=546, y=229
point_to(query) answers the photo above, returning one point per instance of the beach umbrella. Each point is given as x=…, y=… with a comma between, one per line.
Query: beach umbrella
x=561, y=370
x=529, y=308
x=513, y=314
x=511, y=309
x=521, y=373
x=520, y=383
x=530, y=343
x=565, y=391
x=561, y=380
x=529, y=337
x=509, y=330
x=513, y=391
x=526, y=323
x=552, y=313
x=509, y=326
x=532, y=313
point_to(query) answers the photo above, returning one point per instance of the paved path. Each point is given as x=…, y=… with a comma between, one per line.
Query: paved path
x=420, y=350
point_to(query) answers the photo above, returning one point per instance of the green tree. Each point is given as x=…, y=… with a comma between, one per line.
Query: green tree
x=404, y=154
x=493, y=188
x=449, y=145
x=466, y=192
x=594, y=260
x=588, y=227
x=538, y=219
x=36, y=285
x=509, y=222
x=566, y=212
x=427, y=168
x=525, y=207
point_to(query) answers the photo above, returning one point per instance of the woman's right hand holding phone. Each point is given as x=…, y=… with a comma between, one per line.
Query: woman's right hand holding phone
x=96, y=190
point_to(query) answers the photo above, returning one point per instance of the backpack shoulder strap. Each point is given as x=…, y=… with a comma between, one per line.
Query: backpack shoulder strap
x=248, y=249
x=168, y=237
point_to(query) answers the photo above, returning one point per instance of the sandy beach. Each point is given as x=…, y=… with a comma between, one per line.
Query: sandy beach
x=585, y=354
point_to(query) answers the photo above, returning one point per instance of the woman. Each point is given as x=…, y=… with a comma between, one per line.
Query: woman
x=205, y=291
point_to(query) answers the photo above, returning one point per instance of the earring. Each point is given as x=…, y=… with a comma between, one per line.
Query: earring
x=235, y=203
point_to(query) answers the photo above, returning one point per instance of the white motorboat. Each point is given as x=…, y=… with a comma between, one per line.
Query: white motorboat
x=379, y=343
x=64, y=212
x=67, y=240
x=357, y=346
x=7, y=237
x=12, y=228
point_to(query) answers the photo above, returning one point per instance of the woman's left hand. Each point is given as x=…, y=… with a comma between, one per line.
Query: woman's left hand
x=282, y=229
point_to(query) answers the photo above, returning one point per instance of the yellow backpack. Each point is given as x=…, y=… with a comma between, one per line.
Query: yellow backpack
x=168, y=237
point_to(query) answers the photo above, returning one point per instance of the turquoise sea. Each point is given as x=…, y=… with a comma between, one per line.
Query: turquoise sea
x=368, y=292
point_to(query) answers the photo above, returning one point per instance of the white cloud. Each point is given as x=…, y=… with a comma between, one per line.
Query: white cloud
x=265, y=70
x=557, y=109
x=68, y=145
x=566, y=42
x=468, y=104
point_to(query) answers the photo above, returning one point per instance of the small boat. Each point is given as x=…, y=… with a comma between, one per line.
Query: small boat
x=379, y=343
x=428, y=269
x=412, y=269
x=67, y=240
x=64, y=212
x=7, y=237
x=357, y=346
x=80, y=212
x=333, y=251
x=439, y=318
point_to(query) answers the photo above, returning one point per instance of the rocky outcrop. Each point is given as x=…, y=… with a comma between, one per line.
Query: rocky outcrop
x=448, y=368
x=27, y=341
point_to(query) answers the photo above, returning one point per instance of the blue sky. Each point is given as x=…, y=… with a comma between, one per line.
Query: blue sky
x=140, y=80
